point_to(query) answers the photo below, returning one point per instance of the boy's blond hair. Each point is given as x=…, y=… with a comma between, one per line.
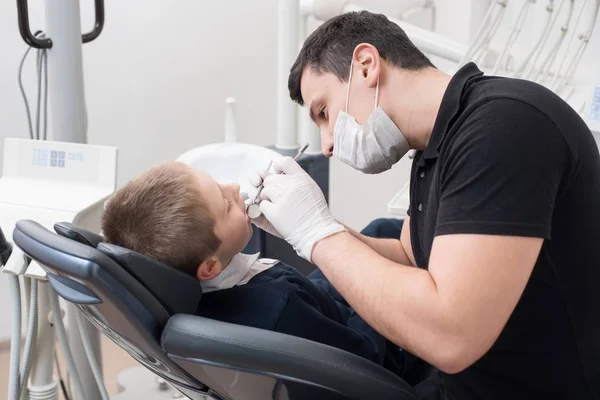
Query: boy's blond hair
x=162, y=214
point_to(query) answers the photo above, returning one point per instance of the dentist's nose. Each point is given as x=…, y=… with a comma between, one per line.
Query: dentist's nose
x=326, y=143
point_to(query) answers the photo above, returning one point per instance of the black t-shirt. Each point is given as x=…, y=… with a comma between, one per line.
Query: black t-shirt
x=509, y=157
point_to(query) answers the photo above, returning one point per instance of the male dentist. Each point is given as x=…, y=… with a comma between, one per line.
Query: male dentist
x=495, y=279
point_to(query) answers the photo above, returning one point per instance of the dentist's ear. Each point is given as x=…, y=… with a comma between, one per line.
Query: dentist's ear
x=209, y=268
x=367, y=60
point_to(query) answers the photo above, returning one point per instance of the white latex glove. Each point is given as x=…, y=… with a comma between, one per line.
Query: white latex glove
x=294, y=204
x=256, y=180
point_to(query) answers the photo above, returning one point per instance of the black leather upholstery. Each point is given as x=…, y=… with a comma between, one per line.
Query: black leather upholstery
x=178, y=292
x=126, y=311
x=78, y=234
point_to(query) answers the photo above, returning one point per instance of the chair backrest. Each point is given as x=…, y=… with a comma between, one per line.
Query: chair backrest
x=110, y=297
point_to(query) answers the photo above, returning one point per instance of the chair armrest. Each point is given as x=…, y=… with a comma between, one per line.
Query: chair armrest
x=194, y=339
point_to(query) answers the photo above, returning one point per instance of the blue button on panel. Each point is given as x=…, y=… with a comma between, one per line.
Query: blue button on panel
x=61, y=155
x=61, y=163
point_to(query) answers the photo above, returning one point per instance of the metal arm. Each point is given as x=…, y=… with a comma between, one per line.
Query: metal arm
x=31, y=40
x=98, y=25
x=25, y=30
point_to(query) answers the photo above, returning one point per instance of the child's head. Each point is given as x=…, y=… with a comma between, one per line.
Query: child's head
x=179, y=216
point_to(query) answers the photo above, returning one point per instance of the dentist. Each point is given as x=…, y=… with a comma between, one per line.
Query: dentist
x=495, y=279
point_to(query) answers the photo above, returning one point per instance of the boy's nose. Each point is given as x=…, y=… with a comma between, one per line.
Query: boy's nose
x=234, y=188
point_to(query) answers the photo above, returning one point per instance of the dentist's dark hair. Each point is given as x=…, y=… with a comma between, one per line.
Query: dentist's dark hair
x=329, y=48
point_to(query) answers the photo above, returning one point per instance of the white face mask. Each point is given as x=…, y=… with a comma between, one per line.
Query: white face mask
x=372, y=147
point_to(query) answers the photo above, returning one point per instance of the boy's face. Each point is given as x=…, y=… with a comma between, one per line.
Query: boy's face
x=232, y=225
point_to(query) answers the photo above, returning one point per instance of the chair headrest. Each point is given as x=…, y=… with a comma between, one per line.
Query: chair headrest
x=88, y=266
x=78, y=234
x=177, y=291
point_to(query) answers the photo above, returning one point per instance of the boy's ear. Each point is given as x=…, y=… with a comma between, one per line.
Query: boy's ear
x=209, y=268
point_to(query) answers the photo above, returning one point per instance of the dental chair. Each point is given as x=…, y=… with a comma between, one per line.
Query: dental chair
x=147, y=309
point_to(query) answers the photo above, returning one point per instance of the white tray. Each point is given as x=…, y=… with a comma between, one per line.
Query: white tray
x=400, y=202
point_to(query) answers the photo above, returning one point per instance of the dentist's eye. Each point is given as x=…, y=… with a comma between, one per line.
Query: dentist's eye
x=323, y=113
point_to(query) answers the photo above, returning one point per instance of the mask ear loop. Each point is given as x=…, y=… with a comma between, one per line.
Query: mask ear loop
x=377, y=93
x=348, y=88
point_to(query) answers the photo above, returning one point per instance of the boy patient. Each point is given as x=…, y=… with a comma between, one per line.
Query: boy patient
x=185, y=219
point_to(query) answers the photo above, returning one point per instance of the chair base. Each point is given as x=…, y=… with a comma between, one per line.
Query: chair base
x=139, y=383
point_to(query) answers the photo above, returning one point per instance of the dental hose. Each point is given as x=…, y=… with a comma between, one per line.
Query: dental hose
x=14, y=391
x=90, y=355
x=478, y=36
x=512, y=38
x=64, y=344
x=534, y=54
x=30, y=338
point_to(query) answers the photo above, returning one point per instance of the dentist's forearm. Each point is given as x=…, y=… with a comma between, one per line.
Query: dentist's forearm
x=389, y=248
x=400, y=302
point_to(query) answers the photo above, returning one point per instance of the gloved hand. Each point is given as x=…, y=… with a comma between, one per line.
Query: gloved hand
x=295, y=206
x=263, y=223
x=255, y=181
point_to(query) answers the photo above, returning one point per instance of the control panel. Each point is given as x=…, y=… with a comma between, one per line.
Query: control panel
x=60, y=161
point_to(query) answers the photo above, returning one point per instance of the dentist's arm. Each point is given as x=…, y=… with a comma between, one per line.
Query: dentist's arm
x=493, y=214
x=397, y=250
x=449, y=315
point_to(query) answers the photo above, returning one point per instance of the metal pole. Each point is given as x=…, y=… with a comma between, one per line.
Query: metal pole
x=42, y=384
x=79, y=356
x=65, y=71
x=69, y=124
x=287, y=41
x=308, y=132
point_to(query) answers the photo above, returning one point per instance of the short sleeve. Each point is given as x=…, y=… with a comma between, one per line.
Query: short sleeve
x=502, y=172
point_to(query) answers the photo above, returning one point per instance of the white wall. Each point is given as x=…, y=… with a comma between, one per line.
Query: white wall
x=157, y=77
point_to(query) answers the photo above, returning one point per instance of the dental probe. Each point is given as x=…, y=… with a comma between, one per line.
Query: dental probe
x=253, y=209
